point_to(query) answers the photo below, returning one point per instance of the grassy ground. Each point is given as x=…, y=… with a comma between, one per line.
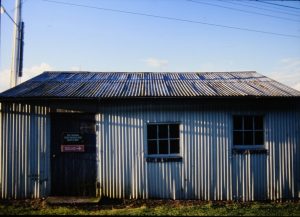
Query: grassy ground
x=153, y=207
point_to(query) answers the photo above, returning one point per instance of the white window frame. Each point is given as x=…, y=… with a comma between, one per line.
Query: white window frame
x=254, y=146
x=169, y=138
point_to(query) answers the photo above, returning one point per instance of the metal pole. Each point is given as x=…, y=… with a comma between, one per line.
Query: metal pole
x=16, y=45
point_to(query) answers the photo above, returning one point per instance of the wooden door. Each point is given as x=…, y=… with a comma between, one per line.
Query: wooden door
x=73, y=154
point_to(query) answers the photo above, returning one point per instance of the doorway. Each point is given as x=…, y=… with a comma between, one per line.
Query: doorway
x=73, y=154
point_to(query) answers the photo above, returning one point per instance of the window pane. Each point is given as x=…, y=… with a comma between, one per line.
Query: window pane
x=174, y=146
x=259, y=137
x=152, y=147
x=248, y=122
x=237, y=138
x=151, y=131
x=248, y=138
x=258, y=122
x=174, y=130
x=163, y=131
x=163, y=146
x=237, y=122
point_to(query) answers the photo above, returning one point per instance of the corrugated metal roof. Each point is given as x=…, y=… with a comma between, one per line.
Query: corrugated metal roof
x=149, y=84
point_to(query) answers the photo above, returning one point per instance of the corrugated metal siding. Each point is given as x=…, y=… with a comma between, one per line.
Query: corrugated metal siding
x=209, y=170
x=149, y=84
x=283, y=142
x=250, y=177
x=25, y=149
x=203, y=173
x=169, y=175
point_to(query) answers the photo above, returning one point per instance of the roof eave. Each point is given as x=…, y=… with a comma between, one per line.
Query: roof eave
x=58, y=98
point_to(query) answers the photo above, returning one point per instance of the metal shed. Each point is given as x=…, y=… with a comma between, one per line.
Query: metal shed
x=207, y=136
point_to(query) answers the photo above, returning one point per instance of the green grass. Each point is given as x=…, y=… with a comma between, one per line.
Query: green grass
x=154, y=207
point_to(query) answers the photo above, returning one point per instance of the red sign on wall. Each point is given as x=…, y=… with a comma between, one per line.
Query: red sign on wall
x=72, y=148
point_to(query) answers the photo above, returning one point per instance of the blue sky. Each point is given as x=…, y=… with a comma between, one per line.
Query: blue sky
x=94, y=38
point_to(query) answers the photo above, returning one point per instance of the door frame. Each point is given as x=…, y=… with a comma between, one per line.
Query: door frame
x=53, y=147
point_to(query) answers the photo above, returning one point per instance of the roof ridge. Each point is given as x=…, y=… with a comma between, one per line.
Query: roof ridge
x=171, y=72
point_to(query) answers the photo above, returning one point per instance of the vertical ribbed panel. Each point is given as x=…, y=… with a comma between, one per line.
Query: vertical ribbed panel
x=25, y=149
x=121, y=155
x=283, y=142
x=209, y=170
x=249, y=177
x=124, y=171
x=168, y=175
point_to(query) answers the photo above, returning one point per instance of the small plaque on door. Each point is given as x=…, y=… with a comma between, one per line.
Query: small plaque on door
x=72, y=142
x=72, y=148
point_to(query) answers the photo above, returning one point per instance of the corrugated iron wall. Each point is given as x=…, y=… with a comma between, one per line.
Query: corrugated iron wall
x=283, y=142
x=249, y=173
x=24, y=151
x=209, y=170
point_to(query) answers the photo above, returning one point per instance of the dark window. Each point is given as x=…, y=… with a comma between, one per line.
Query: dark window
x=237, y=137
x=152, y=146
x=258, y=121
x=237, y=122
x=259, y=137
x=174, y=146
x=248, y=138
x=152, y=132
x=248, y=123
x=163, y=131
x=163, y=139
x=163, y=146
x=174, y=130
x=248, y=130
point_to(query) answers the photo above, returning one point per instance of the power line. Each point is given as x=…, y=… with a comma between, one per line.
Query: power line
x=234, y=2
x=171, y=18
x=280, y=5
x=235, y=9
x=8, y=15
